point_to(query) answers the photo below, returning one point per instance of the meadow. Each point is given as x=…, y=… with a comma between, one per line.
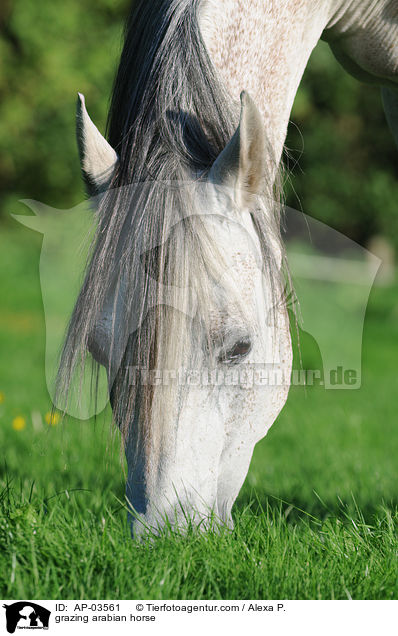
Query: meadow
x=316, y=519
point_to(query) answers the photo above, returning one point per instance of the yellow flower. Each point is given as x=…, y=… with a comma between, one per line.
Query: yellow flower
x=2, y=397
x=52, y=419
x=19, y=423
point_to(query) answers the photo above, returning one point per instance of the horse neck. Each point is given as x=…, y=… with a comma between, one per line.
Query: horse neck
x=263, y=46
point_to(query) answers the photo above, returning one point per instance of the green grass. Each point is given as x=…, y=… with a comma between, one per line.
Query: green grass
x=316, y=518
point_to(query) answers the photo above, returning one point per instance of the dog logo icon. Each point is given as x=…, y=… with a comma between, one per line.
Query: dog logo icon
x=26, y=615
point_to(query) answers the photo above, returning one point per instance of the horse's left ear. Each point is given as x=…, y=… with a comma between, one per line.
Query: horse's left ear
x=241, y=165
x=97, y=157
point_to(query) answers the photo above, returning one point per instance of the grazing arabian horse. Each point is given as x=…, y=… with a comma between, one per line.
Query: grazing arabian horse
x=188, y=268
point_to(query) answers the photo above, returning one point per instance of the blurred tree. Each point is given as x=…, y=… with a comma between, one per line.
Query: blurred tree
x=48, y=52
x=346, y=175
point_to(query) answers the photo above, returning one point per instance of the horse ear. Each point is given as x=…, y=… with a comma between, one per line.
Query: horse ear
x=241, y=165
x=98, y=159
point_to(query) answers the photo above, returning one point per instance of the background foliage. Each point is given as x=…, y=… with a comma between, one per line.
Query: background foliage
x=347, y=172
x=48, y=52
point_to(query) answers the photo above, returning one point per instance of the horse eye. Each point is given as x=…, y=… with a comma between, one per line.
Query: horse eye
x=240, y=349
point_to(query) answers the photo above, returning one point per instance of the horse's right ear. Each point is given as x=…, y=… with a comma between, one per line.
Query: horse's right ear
x=97, y=158
x=242, y=164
